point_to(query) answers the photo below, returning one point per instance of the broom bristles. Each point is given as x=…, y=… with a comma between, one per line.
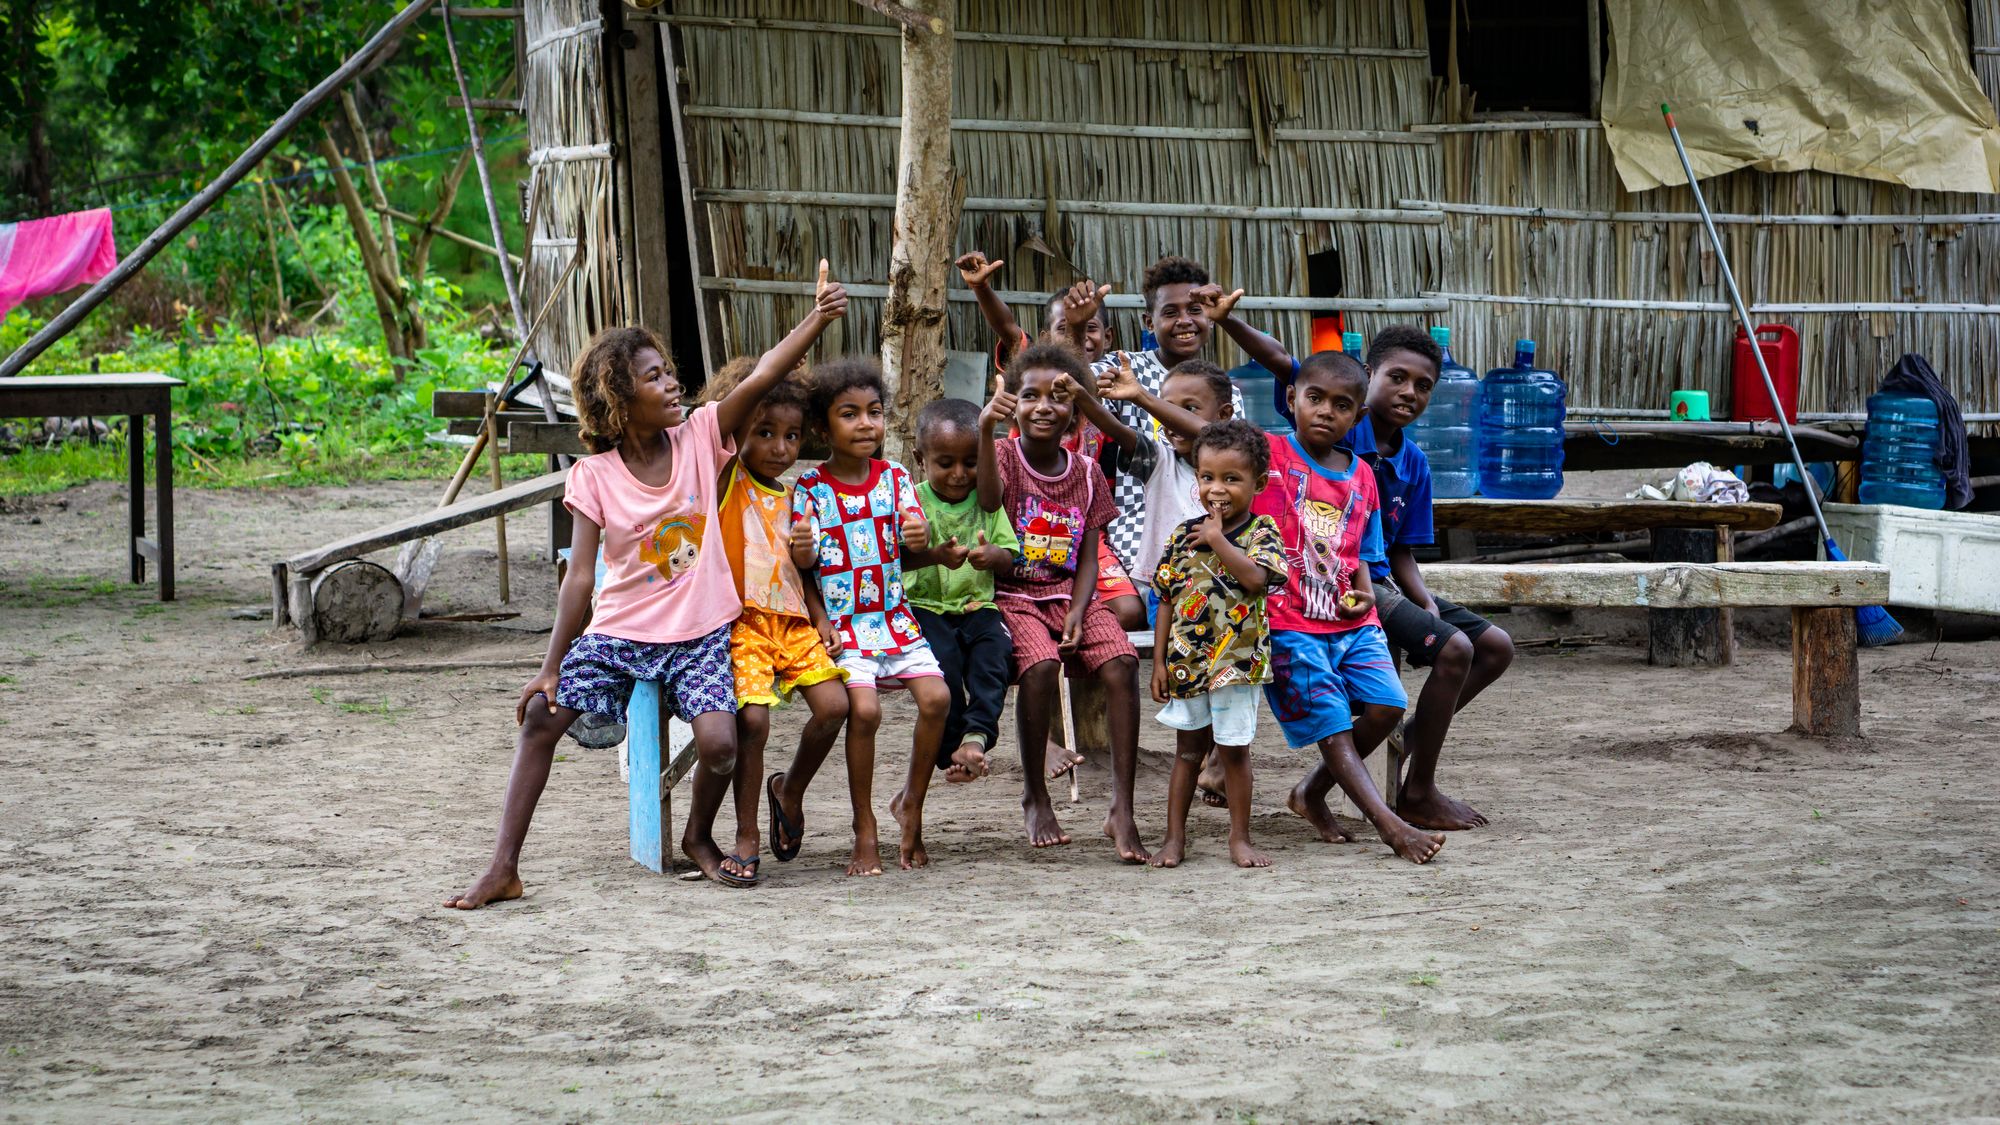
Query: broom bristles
x=1872, y=624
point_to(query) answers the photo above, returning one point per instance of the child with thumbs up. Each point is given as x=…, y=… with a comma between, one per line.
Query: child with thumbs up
x=954, y=597
x=866, y=526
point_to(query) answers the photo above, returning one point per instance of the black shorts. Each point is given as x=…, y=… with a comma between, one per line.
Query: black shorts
x=1419, y=634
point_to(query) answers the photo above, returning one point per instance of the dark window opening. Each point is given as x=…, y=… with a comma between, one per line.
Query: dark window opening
x=1517, y=55
x=1323, y=274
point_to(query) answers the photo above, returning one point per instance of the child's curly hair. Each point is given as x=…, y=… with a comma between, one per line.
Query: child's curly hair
x=1239, y=436
x=834, y=378
x=1216, y=378
x=604, y=378
x=792, y=390
x=1046, y=355
x=1172, y=270
x=1405, y=338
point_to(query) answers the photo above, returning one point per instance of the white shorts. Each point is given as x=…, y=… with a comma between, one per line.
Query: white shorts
x=1232, y=711
x=913, y=663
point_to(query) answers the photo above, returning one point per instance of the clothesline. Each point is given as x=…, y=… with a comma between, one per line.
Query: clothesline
x=311, y=173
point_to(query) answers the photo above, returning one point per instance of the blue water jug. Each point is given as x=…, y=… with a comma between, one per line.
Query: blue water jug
x=1260, y=398
x=1350, y=342
x=1899, y=452
x=1448, y=429
x=1521, y=412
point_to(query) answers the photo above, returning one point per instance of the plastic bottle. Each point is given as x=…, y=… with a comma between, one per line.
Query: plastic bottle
x=1521, y=412
x=1448, y=429
x=1350, y=342
x=1259, y=390
x=1899, y=452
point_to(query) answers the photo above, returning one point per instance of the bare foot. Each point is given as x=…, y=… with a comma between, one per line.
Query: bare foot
x=1060, y=759
x=968, y=763
x=1172, y=850
x=910, y=849
x=719, y=868
x=1125, y=834
x=867, y=857
x=1317, y=814
x=1210, y=786
x=1246, y=856
x=1434, y=809
x=494, y=886
x=1413, y=844
x=1043, y=830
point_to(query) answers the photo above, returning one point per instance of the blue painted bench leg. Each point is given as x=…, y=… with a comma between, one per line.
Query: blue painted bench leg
x=653, y=775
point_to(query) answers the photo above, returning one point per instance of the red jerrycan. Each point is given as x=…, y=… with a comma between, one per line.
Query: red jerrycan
x=1748, y=401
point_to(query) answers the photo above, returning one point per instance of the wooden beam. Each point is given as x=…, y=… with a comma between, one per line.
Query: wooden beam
x=514, y=497
x=1036, y=300
x=1584, y=517
x=1826, y=674
x=1133, y=208
x=642, y=155
x=193, y=209
x=1663, y=585
x=1083, y=42
x=925, y=225
x=1916, y=219
x=559, y=438
x=1182, y=133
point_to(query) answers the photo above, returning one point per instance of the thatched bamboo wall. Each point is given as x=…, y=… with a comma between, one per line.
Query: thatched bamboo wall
x=570, y=181
x=1270, y=104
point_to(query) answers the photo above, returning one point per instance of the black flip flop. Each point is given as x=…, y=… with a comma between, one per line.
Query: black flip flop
x=782, y=827
x=728, y=880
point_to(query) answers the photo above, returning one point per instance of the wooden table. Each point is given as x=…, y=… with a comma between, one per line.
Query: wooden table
x=136, y=396
x=1683, y=531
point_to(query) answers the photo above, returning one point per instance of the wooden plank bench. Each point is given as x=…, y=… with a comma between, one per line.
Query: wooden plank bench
x=291, y=579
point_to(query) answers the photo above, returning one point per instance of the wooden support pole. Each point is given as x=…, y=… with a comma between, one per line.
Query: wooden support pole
x=1682, y=638
x=499, y=518
x=1826, y=676
x=193, y=209
x=913, y=315
x=485, y=181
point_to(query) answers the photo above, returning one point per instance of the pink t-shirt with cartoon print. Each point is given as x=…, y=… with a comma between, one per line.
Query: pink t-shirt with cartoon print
x=666, y=576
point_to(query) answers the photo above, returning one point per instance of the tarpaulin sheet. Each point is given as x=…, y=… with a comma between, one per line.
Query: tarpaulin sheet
x=1863, y=88
x=44, y=256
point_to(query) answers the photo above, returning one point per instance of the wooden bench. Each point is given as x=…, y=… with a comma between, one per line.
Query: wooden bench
x=135, y=395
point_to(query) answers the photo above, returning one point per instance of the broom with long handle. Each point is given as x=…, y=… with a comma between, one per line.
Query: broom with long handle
x=1873, y=625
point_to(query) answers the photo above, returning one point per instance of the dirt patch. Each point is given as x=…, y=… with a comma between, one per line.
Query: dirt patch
x=220, y=896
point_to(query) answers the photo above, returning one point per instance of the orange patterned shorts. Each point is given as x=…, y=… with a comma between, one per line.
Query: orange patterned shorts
x=1112, y=581
x=774, y=654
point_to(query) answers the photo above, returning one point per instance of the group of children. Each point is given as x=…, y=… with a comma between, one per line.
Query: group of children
x=1274, y=567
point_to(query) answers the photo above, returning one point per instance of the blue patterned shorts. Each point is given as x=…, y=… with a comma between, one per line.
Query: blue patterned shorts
x=695, y=676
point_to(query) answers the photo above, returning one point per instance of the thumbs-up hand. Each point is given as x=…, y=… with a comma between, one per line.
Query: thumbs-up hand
x=1082, y=301
x=1119, y=382
x=985, y=556
x=805, y=553
x=1215, y=302
x=999, y=408
x=975, y=269
x=949, y=554
x=829, y=297
x=916, y=530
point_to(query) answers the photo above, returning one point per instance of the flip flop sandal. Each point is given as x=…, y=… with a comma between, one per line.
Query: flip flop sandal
x=782, y=827
x=726, y=879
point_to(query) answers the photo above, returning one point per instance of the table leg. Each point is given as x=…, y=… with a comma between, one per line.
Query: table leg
x=163, y=498
x=135, y=438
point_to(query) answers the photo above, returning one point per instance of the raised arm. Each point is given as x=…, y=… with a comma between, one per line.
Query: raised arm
x=1092, y=408
x=829, y=305
x=1083, y=301
x=1261, y=347
x=997, y=410
x=1119, y=383
x=977, y=273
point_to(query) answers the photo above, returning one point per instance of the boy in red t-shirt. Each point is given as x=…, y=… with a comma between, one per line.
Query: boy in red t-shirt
x=1328, y=652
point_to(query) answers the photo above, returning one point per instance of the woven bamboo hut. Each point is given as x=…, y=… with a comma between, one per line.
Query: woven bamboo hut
x=1308, y=152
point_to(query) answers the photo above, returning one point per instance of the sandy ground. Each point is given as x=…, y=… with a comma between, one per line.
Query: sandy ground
x=218, y=898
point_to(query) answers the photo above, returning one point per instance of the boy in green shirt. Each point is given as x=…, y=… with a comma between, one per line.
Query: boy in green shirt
x=953, y=599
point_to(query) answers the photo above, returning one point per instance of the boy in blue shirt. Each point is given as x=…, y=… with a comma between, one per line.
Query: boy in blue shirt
x=1464, y=651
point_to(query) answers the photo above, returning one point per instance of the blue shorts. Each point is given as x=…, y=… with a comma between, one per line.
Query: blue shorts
x=1318, y=678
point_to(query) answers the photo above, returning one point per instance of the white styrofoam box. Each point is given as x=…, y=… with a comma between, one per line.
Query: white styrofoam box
x=1936, y=560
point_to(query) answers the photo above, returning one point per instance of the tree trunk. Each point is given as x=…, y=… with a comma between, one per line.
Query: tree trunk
x=390, y=303
x=913, y=314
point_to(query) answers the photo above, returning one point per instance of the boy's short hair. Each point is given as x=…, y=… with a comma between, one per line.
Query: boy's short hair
x=1405, y=338
x=1338, y=367
x=1172, y=270
x=1046, y=355
x=946, y=414
x=1239, y=436
x=836, y=377
x=1208, y=372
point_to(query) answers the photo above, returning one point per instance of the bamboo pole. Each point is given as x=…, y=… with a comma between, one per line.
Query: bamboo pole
x=372, y=175
x=193, y=209
x=500, y=518
x=271, y=240
x=485, y=189
x=430, y=225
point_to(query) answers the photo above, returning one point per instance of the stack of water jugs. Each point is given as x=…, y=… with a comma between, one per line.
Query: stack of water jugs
x=1502, y=436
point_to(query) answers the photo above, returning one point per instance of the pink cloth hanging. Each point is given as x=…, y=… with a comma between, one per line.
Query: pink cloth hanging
x=44, y=256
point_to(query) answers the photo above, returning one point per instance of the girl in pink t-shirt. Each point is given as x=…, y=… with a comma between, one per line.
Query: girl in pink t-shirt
x=648, y=495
